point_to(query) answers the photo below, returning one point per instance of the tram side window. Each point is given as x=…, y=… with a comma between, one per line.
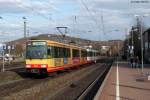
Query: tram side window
x=66, y=52
x=61, y=55
x=55, y=52
x=75, y=53
x=50, y=52
x=83, y=53
x=90, y=54
x=58, y=52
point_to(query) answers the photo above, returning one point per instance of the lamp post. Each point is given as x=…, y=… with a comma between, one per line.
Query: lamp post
x=141, y=35
x=24, y=18
x=132, y=47
x=132, y=40
x=3, y=53
x=116, y=30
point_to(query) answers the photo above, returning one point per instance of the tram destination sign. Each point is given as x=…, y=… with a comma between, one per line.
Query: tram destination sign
x=38, y=43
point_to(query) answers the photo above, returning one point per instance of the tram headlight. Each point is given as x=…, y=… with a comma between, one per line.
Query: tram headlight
x=28, y=66
x=43, y=66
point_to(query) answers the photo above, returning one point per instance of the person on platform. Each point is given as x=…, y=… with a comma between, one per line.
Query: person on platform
x=136, y=62
x=131, y=62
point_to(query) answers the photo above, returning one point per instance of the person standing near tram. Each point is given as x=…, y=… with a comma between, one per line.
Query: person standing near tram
x=136, y=62
x=131, y=62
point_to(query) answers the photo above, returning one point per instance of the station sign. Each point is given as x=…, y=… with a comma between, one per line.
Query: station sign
x=5, y=47
x=10, y=47
x=2, y=47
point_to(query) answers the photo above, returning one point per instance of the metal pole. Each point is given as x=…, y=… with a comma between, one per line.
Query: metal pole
x=24, y=18
x=3, y=55
x=3, y=61
x=132, y=36
x=24, y=28
x=128, y=40
x=141, y=46
x=9, y=53
x=132, y=43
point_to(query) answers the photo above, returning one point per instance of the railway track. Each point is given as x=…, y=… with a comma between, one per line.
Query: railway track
x=13, y=66
x=26, y=82
x=13, y=89
x=84, y=88
x=92, y=89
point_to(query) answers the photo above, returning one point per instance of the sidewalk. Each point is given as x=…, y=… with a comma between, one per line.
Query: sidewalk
x=131, y=85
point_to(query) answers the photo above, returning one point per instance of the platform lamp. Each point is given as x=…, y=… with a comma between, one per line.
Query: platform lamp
x=141, y=35
x=24, y=19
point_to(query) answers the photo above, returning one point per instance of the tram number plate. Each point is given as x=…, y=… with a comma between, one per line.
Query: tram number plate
x=35, y=70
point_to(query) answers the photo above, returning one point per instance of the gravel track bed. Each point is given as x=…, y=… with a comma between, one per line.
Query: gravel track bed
x=36, y=89
x=74, y=90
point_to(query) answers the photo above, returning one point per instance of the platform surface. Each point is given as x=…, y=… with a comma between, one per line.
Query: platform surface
x=131, y=85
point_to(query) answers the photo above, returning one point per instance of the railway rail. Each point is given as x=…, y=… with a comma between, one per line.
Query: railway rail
x=92, y=89
x=13, y=66
x=86, y=87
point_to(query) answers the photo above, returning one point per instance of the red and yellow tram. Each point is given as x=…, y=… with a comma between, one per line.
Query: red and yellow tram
x=43, y=56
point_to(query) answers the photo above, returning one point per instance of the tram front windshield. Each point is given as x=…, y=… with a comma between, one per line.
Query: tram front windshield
x=36, y=52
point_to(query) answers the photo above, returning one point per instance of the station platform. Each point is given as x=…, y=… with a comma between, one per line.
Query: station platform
x=125, y=83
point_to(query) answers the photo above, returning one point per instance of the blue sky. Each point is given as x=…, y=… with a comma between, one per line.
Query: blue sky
x=43, y=16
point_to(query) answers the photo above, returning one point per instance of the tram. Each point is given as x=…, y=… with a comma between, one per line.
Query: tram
x=45, y=56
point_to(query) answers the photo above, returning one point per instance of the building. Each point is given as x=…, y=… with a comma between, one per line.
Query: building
x=146, y=45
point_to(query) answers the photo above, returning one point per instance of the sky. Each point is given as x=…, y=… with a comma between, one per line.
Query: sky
x=89, y=19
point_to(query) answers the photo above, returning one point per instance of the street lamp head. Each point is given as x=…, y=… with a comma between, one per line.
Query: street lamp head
x=116, y=30
x=145, y=15
x=89, y=31
x=24, y=18
x=136, y=15
x=134, y=29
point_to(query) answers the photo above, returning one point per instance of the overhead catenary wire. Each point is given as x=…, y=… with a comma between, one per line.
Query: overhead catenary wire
x=102, y=20
x=91, y=14
x=44, y=16
x=35, y=11
x=78, y=17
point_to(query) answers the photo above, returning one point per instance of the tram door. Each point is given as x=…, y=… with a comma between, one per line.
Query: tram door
x=65, y=56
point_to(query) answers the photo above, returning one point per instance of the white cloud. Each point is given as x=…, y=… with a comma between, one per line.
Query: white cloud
x=21, y=6
x=116, y=14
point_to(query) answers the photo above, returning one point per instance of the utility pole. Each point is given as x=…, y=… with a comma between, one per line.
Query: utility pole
x=3, y=54
x=141, y=33
x=132, y=46
x=24, y=18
